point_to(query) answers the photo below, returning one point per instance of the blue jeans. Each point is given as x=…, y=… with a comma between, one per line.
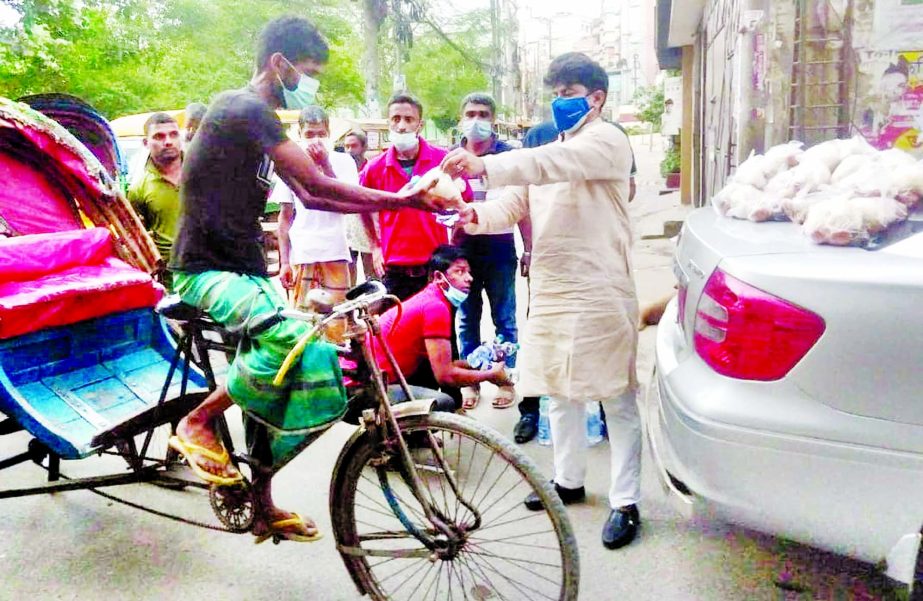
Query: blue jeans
x=493, y=267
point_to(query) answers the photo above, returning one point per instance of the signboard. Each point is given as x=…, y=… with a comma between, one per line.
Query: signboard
x=896, y=119
x=898, y=24
x=672, y=119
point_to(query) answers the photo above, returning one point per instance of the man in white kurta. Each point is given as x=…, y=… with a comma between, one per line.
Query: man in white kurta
x=580, y=340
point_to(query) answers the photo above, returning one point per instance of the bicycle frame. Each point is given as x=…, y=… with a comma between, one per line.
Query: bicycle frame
x=363, y=324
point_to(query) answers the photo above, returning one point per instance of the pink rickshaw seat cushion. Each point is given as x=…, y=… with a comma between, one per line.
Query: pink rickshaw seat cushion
x=61, y=278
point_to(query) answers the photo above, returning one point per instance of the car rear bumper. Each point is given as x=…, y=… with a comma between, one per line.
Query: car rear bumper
x=854, y=500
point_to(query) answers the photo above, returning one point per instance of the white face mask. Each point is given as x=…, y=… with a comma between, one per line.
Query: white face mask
x=477, y=130
x=404, y=142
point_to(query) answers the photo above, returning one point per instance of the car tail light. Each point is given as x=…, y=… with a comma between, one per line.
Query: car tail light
x=745, y=333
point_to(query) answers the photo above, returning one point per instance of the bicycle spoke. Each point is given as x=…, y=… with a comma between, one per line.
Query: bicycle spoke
x=499, y=540
x=518, y=561
x=466, y=475
x=530, y=516
x=422, y=580
x=520, y=586
x=484, y=576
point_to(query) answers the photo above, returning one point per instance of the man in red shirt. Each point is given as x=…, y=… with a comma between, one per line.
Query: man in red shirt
x=408, y=236
x=421, y=340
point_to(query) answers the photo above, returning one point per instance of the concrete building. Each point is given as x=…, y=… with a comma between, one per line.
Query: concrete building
x=619, y=34
x=758, y=73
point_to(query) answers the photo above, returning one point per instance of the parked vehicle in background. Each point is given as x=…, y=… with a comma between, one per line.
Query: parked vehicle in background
x=787, y=387
x=129, y=131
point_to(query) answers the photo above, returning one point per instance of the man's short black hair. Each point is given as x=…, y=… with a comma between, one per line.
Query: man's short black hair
x=313, y=114
x=577, y=68
x=359, y=135
x=157, y=119
x=195, y=111
x=443, y=257
x=406, y=98
x=295, y=38
x=482, y=98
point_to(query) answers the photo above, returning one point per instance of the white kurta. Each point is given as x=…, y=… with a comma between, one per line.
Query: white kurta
x=580, y=339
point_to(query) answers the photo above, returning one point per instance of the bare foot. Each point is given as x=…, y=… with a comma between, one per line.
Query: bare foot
x=201, y=435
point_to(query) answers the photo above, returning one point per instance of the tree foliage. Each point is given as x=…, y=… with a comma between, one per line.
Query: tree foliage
x=649, y=101
x=443, y=72
x=132, y=56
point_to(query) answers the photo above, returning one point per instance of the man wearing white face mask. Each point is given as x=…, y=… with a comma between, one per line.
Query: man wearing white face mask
x=408, y=236
x=313, y=252
x=492, y=256
x=580, y=340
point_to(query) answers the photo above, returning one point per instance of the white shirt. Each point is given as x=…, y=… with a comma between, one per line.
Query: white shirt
x=318, y=236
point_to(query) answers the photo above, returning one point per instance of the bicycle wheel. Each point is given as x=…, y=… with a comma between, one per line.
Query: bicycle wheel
x=501, y=550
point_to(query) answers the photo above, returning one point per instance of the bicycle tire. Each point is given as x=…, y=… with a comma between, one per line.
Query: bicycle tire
x=351, y=508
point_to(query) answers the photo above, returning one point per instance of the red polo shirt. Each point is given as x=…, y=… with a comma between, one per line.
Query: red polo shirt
x=408, y=236
x=427, y=315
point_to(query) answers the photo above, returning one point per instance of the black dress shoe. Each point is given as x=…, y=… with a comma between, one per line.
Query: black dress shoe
x=526, y=428
x=568, y=496
x=621, y=526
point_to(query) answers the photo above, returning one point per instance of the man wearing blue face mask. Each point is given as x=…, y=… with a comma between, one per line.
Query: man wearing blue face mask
x=492, y=256
x=219, y=267
x=580, y=339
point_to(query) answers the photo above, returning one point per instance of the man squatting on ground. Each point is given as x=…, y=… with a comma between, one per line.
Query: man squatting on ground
x=580, y=340
x=422, y=340
x=219, y=266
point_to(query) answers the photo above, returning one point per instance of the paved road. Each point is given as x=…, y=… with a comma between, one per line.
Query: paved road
x=80, y=546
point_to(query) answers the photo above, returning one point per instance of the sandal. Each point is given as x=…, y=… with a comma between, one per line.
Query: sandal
x=505, y=398
x=291, y=528
x=471, y=396
x=190, y=450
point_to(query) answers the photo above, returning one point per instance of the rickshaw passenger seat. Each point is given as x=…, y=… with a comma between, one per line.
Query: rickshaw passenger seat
x=172, y=307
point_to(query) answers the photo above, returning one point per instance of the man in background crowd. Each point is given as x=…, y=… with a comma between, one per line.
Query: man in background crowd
x=408, y=236
x=194, y=113
x=155, y=193
x=313, y=252
x=492, y=256
x=356, y=144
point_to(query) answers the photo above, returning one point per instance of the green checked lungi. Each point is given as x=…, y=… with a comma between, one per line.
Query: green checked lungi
x=311, y=398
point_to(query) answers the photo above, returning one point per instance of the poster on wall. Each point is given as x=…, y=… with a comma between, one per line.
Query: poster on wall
x=672, y=119
x=898, y=24
x=897, y=120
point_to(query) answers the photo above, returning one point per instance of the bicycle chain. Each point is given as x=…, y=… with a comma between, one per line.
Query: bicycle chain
x=151, y=510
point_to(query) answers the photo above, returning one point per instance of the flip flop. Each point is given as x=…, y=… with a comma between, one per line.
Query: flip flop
x=189, y=450
x=505, y=398
x=280, y=529
x=470, y=398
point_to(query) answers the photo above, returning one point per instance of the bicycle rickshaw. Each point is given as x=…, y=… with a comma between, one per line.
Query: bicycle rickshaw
x=94, y=361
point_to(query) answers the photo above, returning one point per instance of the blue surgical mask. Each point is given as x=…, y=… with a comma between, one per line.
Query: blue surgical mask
x=569, y=113
x=477, y=130
x=454, y=295
x=405, y=142
x=304, y=93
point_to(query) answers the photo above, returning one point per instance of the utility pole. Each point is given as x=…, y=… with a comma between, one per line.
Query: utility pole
x=496, y=68
x=373, y=13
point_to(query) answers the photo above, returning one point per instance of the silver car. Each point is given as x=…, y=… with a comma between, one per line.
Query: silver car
x=787, y=395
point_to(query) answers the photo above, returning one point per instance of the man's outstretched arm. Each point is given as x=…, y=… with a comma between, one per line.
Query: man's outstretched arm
x=317, y=191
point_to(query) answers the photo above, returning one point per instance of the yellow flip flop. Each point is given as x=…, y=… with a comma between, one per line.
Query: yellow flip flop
x=189, y=450
x=279, y=528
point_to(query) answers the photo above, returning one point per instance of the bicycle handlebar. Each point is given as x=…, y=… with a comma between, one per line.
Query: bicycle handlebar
x=378, y=292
